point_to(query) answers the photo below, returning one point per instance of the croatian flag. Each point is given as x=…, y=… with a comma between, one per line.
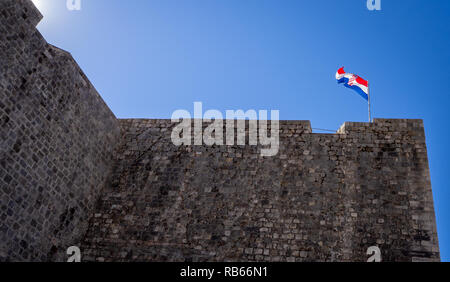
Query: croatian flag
x=354, y=82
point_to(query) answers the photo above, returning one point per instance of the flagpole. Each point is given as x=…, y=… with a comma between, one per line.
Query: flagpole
x=368, y=95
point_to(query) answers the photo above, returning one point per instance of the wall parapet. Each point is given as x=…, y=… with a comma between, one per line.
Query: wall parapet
x=384, y=125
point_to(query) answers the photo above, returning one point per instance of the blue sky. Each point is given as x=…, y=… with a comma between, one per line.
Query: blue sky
x=150, y=58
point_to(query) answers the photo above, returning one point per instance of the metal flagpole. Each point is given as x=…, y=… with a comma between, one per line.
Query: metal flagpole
x=368, y=95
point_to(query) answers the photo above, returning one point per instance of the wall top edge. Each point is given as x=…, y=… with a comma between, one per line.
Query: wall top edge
x=378, y=124
x=32, y=11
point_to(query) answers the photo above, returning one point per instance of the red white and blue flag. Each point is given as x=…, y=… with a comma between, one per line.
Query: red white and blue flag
x=354, y=82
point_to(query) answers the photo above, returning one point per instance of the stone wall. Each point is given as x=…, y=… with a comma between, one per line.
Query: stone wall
x=324, y=197
x=56, y=141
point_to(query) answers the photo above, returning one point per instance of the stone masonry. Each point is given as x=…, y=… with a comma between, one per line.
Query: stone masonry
x=324, y=197
x=72, y=174
x=56, y=141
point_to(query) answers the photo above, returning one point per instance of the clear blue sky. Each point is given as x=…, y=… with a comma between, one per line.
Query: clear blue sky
x=149, y=58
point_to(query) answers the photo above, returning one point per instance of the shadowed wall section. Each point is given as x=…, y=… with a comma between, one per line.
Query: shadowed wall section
x=56, y=141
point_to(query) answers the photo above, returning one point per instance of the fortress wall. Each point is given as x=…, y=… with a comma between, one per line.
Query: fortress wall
x=324, y=197
x=56, y=141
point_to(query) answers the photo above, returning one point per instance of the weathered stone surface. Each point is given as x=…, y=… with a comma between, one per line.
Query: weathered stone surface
x=56, y=141
x=324, y=197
